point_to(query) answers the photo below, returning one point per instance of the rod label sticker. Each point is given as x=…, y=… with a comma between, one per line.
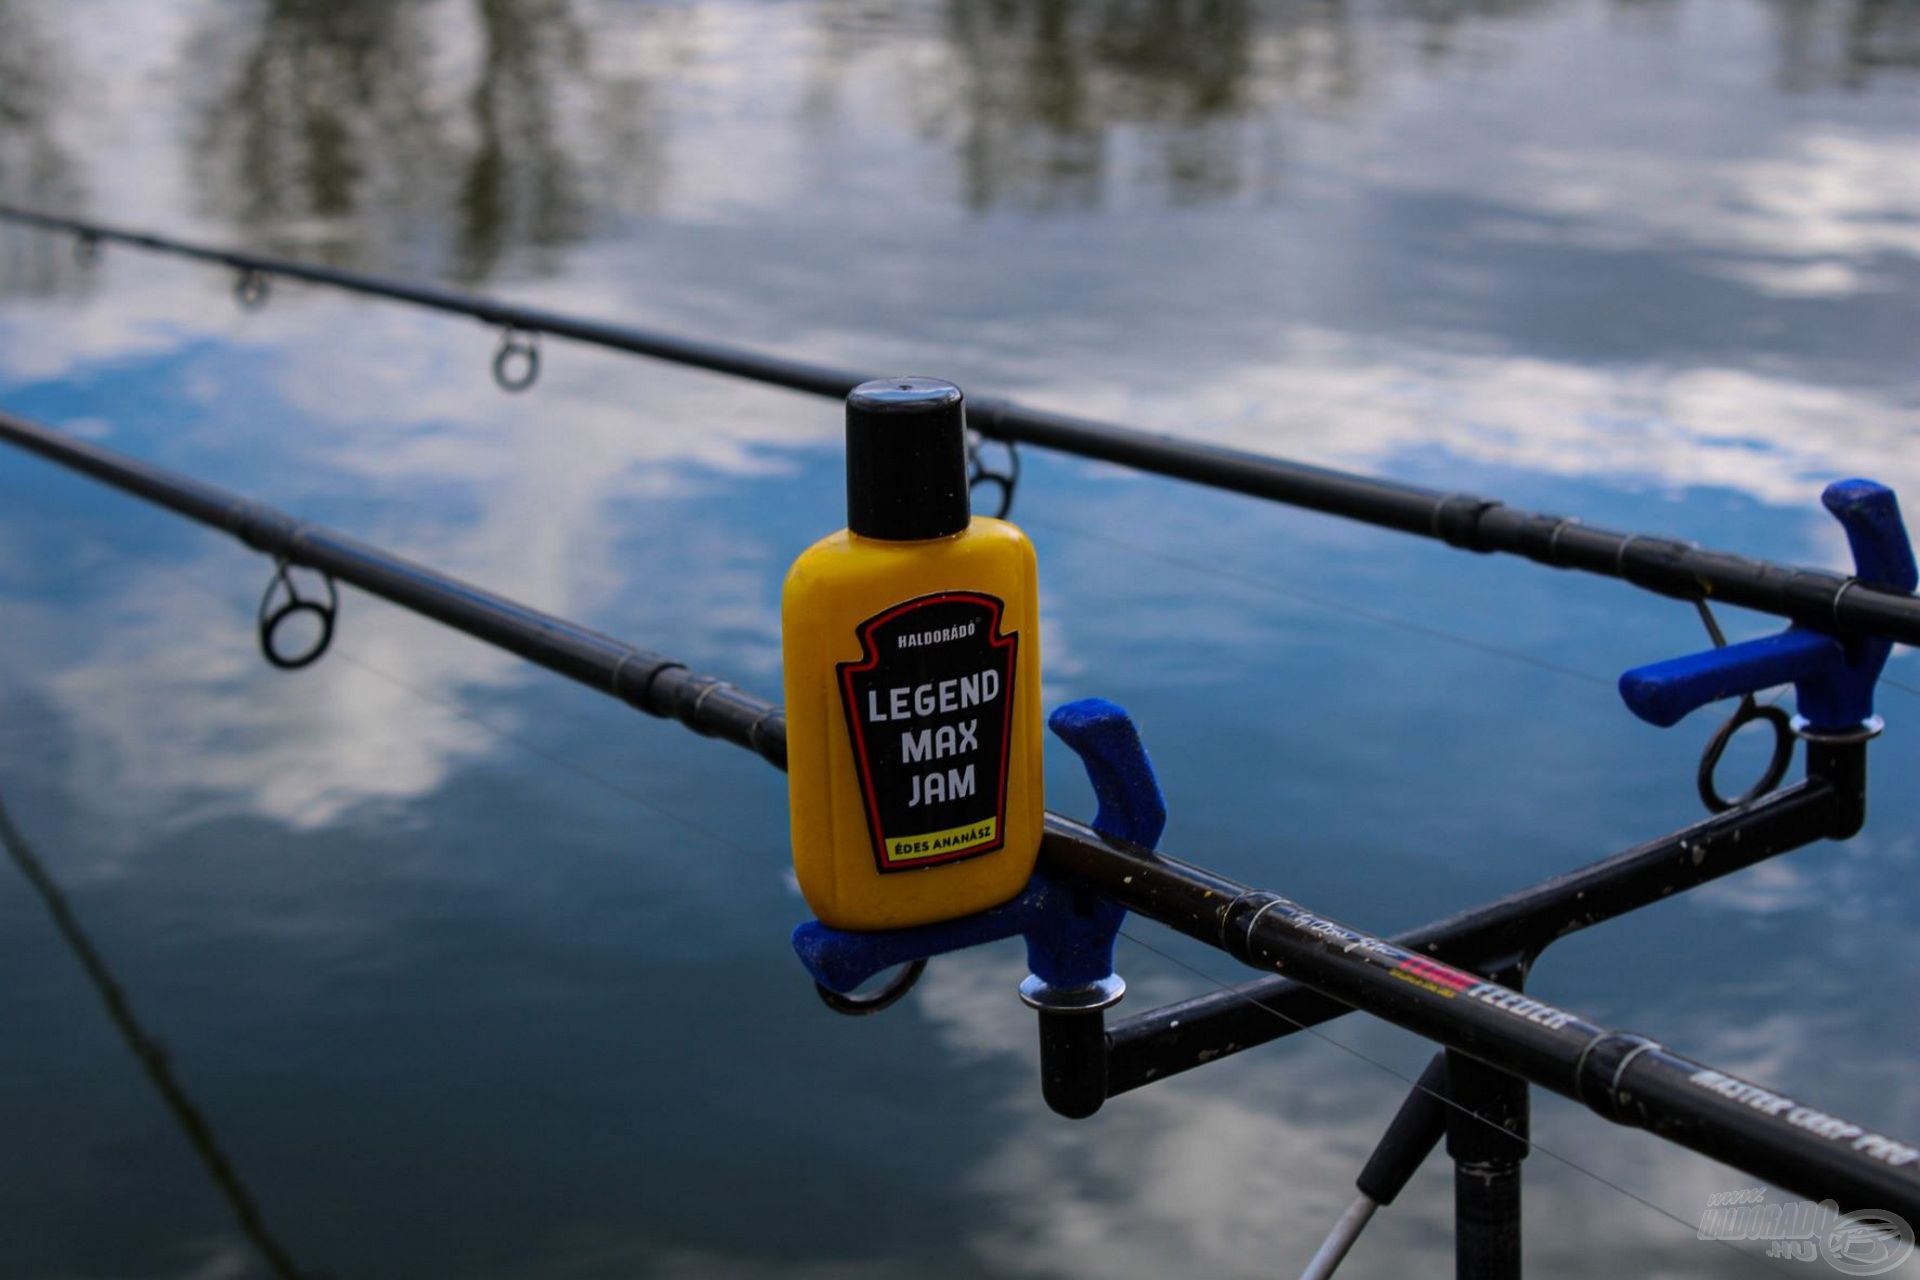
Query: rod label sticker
x=930, y=716
x=1875, y=1146
x=1433, y=977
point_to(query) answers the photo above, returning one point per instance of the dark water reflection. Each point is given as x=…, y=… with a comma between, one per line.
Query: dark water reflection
x=449, y=138
x=1041, y=89
x=332, y=125
x=1846, y=44
x=475, y=974
x=35, y=166
x=333, y=111
x=1051, y=103
x=316, y=110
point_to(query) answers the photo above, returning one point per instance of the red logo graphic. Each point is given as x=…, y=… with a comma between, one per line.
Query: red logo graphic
x=1436, y=977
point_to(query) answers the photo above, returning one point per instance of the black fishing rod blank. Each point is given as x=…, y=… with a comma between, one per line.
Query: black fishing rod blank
x=1830, y=804
x=1622, y=1077
x=795, y=375
x=1667, y=566
x=648, y=681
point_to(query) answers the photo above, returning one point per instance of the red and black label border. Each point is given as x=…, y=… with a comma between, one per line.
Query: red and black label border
x=846, y=671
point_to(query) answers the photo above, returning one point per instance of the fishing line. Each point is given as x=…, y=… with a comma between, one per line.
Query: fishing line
x=151, y=1054
x=177, y=575
x=578, y=770
x=1426, y=630
x=1334, y=606
x=1531, y=1144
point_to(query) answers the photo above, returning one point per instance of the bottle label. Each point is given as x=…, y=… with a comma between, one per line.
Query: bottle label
x=930, y=714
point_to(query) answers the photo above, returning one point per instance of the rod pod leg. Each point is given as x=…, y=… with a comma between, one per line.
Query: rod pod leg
x=1487, y=1138
x=1072, y=1014
x=1416, y=1130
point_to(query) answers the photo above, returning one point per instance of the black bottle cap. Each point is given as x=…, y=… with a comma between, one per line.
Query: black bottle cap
x=907, y=459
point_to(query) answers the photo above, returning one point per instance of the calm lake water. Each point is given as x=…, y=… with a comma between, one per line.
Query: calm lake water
x=476, y=974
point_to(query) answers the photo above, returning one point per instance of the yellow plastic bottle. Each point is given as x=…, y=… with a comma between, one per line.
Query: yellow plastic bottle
x=911, y=642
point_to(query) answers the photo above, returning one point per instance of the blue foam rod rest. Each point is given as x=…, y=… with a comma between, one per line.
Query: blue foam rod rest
x=1664, y=692
x=1870, y=513
x=1129, y=804
x=1069, y=929
x=1833, y=679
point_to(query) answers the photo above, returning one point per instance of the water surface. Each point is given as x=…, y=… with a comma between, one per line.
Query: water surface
x=475, y=973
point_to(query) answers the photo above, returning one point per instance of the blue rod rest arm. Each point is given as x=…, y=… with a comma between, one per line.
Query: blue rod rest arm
x=1833, y=678
x=1069, y=929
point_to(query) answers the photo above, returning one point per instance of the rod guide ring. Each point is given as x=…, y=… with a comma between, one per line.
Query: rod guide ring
x=860, y=1006
x=978, y=473
x=250, y=289
x=282, y=602
x=516, y=365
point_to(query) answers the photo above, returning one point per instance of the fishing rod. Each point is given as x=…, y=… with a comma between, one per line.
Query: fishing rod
x=645, y=680
x=1091, y=875
x=1663, y=565
x=151, y=1053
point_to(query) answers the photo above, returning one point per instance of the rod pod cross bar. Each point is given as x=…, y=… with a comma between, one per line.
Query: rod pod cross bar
x=1664, y=565
x=1626, y=1078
